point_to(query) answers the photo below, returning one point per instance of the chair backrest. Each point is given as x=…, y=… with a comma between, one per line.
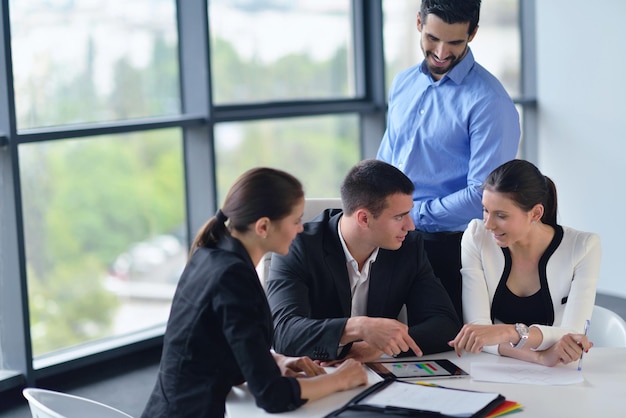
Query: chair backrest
x=312, y=208
x=50, y=404
x=607, y=328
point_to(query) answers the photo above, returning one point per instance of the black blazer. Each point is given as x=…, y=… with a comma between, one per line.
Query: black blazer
x=309, y=293
x=218, y=335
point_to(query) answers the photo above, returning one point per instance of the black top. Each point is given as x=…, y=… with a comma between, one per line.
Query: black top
x=219, y=335
x=309, y=293
x=509, y=308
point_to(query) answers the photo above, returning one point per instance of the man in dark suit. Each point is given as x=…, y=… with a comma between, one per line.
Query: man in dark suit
x=338, y=292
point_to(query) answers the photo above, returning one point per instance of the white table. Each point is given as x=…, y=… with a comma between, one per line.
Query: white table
x=602, y=394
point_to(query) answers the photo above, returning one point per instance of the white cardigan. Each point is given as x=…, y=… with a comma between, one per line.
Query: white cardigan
x=572, y=273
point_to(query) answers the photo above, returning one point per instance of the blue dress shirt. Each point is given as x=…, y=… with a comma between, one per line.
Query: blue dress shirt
x=447, y=136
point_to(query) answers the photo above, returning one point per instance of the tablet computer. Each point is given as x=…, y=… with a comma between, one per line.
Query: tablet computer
x=417, y=369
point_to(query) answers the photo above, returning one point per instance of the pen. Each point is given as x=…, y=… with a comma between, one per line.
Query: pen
x=580, y=362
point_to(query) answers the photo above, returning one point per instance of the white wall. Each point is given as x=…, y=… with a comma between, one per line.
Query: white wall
x=581, y=70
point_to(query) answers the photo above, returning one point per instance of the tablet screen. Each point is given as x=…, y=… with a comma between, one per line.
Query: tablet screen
x=417, y=369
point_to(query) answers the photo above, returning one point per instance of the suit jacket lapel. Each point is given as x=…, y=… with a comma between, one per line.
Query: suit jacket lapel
x=335, y=261
x=381, y=276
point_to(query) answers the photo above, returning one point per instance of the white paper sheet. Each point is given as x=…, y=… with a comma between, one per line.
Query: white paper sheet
x=458, y=403
x=525, y=373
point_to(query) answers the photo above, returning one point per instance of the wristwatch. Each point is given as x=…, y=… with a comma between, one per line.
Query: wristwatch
x=523, y=332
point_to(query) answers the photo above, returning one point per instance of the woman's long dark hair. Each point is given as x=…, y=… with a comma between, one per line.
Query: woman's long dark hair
x=257, y=193
x=526, y=186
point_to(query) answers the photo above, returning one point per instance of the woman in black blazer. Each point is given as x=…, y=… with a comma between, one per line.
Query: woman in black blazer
x=220, y=330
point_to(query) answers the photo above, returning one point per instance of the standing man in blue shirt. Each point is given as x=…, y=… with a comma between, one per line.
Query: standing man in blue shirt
x=449, y=124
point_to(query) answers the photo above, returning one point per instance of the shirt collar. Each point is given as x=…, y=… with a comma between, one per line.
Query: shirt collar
x=346, y=252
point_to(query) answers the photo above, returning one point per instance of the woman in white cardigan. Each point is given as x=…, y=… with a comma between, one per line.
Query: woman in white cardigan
x=529, y=284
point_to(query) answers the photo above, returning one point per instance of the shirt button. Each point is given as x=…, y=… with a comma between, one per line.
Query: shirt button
x=422, y=111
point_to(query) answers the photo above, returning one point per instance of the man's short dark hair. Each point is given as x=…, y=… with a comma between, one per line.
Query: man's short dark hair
x=453, y=11
x=369, y=183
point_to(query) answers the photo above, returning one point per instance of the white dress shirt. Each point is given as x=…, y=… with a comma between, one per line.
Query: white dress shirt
x=359, y=280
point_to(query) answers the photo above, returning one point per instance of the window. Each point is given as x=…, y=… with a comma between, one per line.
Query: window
x=276, y=50
x=91, y=61
x=317, y=150
x=104, y=222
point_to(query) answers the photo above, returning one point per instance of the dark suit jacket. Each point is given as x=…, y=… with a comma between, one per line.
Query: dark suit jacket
x=218, y=335
x=309, y=293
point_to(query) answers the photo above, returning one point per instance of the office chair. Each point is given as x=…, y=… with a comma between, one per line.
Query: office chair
x=607, y=328
x=312, y=208
x=49, y=404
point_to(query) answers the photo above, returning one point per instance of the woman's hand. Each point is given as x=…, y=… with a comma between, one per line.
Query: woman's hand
x=472, y=338
x=298, y=366
x=350, y=374
x=569, y=348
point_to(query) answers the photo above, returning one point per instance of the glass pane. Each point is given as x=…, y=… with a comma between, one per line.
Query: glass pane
x=104, y=233
x=281, y=50
x=91, y=61
x=317, y=150
x=496, y=45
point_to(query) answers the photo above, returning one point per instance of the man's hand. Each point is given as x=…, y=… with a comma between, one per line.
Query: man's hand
x=363, y=352
x=360, y=351
x=387, y=335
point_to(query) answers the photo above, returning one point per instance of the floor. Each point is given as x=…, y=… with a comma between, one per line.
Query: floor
x=126, y=386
